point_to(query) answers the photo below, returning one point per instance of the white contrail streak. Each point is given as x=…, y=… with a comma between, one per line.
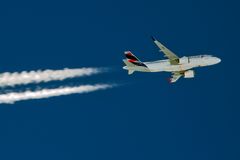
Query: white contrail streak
x=10, y=98
x=12, y=79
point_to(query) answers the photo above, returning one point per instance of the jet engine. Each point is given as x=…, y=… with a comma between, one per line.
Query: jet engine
x=183, y=60
x=189, y=74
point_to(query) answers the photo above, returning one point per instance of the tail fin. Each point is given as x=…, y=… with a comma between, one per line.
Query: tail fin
x=131, y=58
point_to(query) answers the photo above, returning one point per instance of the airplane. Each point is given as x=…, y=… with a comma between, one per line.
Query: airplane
x=178, y=66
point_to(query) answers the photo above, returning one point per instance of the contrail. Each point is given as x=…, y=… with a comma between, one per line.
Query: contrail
x=13, y=97
x=12, y=79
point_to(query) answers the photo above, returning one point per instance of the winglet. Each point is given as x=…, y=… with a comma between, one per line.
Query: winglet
x=153, y=38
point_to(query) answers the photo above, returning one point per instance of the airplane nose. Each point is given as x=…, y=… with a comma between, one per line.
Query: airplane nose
x=214, y=60
x=218, y=60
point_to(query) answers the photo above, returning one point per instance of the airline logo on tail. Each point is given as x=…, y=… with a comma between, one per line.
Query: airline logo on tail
x=133, y=59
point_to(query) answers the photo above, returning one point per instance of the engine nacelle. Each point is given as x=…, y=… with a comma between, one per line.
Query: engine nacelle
x=183, y=60
x=189, y=74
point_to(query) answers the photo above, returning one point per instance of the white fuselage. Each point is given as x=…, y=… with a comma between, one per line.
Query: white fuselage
x=185, y=63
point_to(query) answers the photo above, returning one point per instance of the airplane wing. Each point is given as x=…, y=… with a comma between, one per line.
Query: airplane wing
x=175, y=77
x=174, y=59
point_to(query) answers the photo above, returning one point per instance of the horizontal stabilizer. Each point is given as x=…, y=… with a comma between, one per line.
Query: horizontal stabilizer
x=130, y=72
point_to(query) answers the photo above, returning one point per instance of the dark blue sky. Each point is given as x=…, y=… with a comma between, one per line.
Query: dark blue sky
x=146, y=118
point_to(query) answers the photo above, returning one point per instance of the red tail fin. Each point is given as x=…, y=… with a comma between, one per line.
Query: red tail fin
x=130, y=56
x=133, y=59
